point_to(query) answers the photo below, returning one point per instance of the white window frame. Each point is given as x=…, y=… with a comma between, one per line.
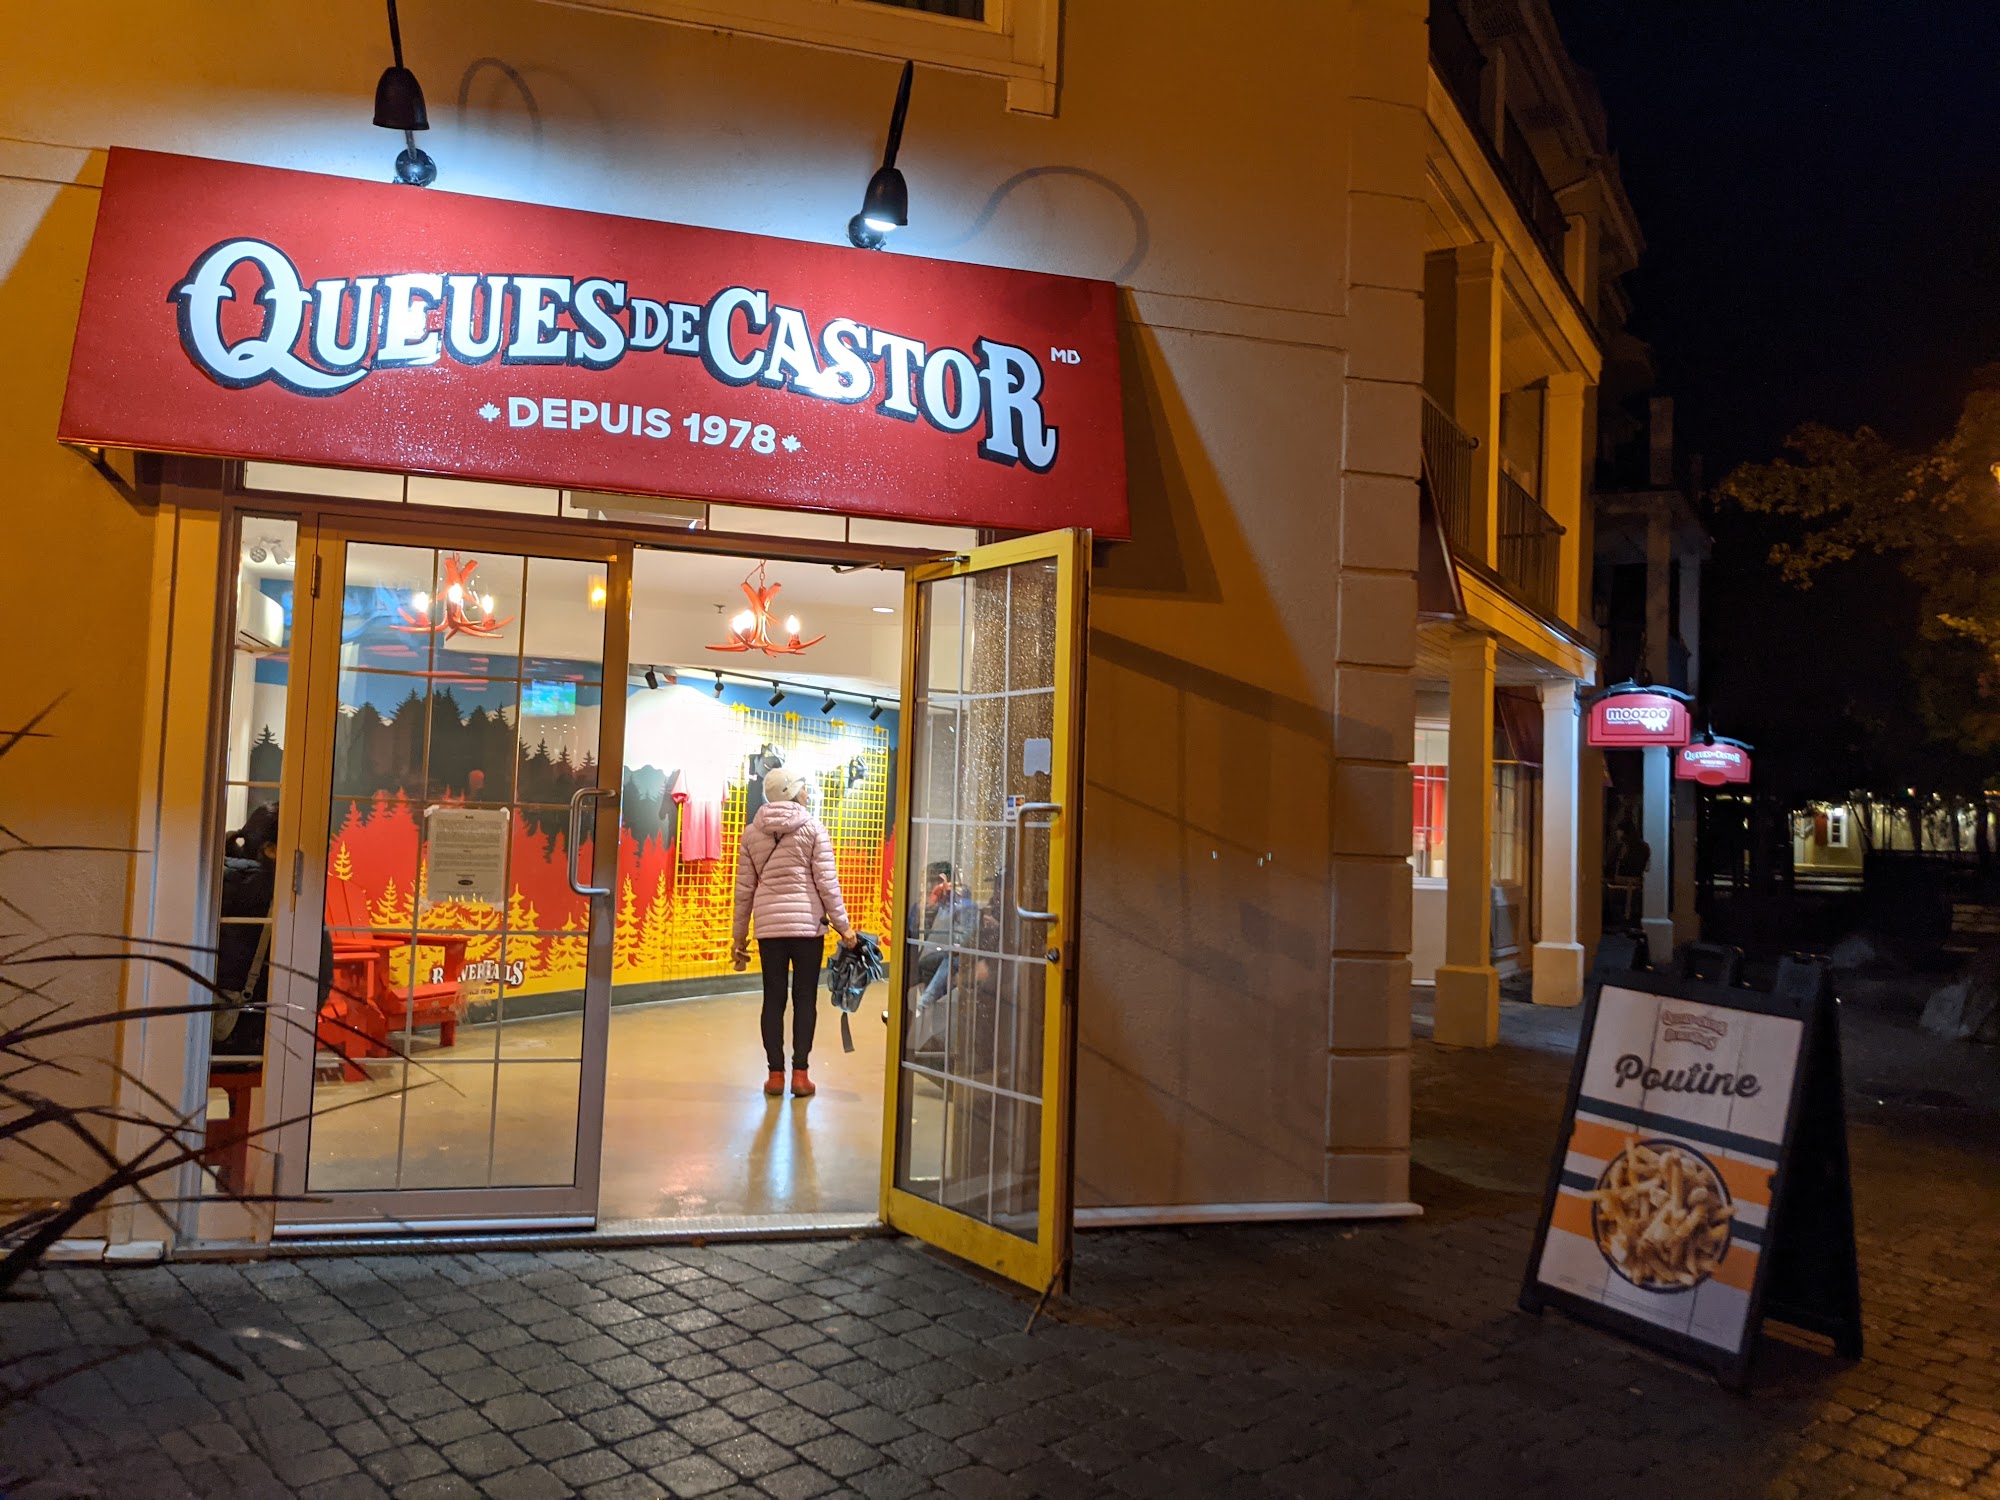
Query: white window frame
x=1442, y=727
x=1016, y=42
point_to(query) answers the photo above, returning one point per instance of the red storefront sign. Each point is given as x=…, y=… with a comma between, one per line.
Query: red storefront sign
x=1713, y=765
x=1623, y=721
x=248, y=312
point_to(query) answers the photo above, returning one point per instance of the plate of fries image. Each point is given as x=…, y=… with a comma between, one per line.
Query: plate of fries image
x=1661, y=1215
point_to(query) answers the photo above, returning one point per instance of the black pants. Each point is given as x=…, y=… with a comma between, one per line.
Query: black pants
x=802, y=956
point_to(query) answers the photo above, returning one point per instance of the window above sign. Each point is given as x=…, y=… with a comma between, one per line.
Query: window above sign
x=1015, y=40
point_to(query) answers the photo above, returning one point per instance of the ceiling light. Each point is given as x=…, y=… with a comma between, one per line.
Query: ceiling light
x=777, y=695
x=598, y=593
x=827, y=707
x=486, y=603
x=652, y=679
x=399, y=105
x=792, y=626
x=420, y=601
x=718, y=684
x=875, y=712
x=884, y=609
x=885, y=207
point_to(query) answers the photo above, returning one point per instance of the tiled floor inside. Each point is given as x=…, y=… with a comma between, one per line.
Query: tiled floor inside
x=688, y=1132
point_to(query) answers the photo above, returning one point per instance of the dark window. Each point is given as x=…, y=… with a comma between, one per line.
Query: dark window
x=964, y=10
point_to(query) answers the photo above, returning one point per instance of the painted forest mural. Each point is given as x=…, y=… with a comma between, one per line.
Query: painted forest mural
x=451, y=743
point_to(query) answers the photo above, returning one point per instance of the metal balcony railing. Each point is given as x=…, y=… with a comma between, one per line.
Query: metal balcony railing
x=1461, y=66
x=1456, y=56
x=1448, y=464
x=1532, y=193
x=1530, y=547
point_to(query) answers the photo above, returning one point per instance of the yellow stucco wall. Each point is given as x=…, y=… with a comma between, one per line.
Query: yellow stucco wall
x=1251, y=176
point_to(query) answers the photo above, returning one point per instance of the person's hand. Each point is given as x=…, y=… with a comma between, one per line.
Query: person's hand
x=739, y=960
x=849, y=938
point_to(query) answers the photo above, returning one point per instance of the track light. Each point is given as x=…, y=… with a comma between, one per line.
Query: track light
x=875, y=712
x=652, y=679
x=718, y=684
x=885, y=207
x=777, y=695
x=827, y=707
x=399, y=105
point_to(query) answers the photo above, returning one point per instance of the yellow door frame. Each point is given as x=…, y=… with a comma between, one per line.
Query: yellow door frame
x=1041, y=1263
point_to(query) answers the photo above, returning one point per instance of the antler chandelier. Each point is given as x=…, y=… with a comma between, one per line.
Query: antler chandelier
x=460, y=610
x=756, y=628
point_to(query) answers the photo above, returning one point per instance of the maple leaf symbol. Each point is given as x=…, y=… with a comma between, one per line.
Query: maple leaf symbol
x=791, y=443
x=489, y=411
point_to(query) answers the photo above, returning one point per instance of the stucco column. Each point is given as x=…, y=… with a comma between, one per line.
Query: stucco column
x=1563, y=482
x=1687, y=920
x=1558, y=954
x=1658, y=921
x=1468, y=986
x=1476, y=383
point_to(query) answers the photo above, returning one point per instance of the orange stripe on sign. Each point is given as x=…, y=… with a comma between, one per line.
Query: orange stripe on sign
x=1738, y=1268
x=1747, y=1182
x=1572, y=1213
x=1592, y=1138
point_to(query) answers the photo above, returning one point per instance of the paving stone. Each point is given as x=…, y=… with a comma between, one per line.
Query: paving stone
x=696, y=1474
x=530, y=1482
x=799, y=1482
x=1379, y=1360
x=488, y=1453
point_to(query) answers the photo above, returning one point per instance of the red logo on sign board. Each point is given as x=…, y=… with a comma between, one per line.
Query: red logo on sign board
x=1625, y=720
x=1713, y=765
x=253, y=313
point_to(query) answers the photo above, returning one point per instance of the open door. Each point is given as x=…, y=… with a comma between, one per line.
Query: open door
x=976, y=1141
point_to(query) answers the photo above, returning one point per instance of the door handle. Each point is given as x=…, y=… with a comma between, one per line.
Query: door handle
x=588, y=794
x=1021, y=811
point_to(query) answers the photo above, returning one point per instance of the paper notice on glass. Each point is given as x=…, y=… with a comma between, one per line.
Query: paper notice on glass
x=467, y=855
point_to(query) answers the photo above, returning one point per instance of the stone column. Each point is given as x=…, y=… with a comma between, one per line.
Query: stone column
x=1558, y=954
x=1658, y=921
x=1687, y=920
x=1656, y=906
x=1468, y=986
x=1476, y=386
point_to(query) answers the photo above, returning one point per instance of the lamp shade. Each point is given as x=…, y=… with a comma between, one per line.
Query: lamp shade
x=399, y=101
x=887, y=204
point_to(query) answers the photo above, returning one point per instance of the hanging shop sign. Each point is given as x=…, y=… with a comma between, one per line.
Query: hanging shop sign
x=1700, y=1182
x=1625, y=720
x=1724, y=763
x=247, y=312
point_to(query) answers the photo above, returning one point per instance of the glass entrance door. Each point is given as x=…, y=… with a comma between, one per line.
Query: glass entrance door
x=977, y=1139
x=458, y=809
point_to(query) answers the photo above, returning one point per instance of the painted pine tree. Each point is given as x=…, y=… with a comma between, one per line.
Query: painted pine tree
x=626, y=937
x=655, y=946
x=523, y=946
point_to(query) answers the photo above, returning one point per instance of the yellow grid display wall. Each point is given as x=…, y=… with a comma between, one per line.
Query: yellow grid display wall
x=673, y=919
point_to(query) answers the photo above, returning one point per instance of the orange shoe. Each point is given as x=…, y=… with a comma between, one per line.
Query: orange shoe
x=802, y=1086
x=774, y=1086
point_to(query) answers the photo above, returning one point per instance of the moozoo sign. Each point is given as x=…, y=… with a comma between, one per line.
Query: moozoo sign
x=1637, y=719
x=253, y=313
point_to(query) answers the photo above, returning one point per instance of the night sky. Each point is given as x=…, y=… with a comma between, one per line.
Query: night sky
x=1818, y=182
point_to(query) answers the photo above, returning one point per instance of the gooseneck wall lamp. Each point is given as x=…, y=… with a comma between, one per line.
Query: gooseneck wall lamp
x=885, y=207
x=399, y=105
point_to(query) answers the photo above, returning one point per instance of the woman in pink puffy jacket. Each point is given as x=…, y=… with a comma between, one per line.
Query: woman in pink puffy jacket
x=787, y=880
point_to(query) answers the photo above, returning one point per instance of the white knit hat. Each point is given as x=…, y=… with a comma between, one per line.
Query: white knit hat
x=782, y=784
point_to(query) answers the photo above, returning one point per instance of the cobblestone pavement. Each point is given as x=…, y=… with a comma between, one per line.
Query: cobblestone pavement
x=1376, y=1360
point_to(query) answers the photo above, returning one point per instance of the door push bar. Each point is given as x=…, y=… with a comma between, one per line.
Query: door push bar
x=588, y=794
x=1021, y=811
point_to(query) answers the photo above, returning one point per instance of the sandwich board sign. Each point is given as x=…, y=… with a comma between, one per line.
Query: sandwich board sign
x=1699, y=1182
